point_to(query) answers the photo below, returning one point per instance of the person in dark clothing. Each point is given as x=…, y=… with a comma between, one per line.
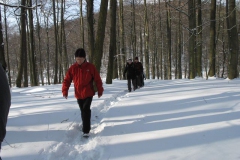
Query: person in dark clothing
x=131, y=75
x=143, y=78
x=5, y=103
x=83, y=74
x=139, y=72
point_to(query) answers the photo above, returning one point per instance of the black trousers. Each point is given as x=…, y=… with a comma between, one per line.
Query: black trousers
x=0, y=149
x=131, y=82
x=5, y=102
x=84, y=105
x=139, y=80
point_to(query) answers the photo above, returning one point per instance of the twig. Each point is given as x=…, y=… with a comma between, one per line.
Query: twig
x=65, y=120
x=9, y=144
x=205, y=100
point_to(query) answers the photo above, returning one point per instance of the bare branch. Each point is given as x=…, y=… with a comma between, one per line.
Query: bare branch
x=177, y=9
x=20, y=6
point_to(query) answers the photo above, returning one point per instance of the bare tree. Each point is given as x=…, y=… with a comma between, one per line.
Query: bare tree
x=232, y=39
x=154, y=40
x=90, y=24
x=81, y=23
x=169, y=42
x=7, y=44
x=39, y=46
x=63, y=39
x=199, y=38
x=32, y=53
x=98, y=46
x=192, y=38
x=56, y=42
x=112, y=46
x=46, y=22
x=212, y=44
x=146, y=39
x=23, y=50
x=2, y=56
x=122, y=37
x=160, y=41
x=133, y=29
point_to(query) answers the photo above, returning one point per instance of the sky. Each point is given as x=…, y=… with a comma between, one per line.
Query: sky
x=165, y=120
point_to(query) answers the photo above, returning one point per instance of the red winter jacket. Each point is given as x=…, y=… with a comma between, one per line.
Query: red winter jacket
x=82, y=76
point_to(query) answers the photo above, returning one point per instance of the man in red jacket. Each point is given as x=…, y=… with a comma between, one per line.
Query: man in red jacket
x=83, y=74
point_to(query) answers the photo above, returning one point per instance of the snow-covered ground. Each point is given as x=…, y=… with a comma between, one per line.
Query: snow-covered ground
x=165, y=120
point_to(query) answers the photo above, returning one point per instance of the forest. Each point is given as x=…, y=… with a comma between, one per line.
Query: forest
x=174, y=39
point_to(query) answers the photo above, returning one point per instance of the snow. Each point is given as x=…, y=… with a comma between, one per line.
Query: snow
x=171, y=119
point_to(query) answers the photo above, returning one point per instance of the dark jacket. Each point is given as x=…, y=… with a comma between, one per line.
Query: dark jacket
x=5, y=102
x=130, y=70
x=82, y=77
x=139, y=68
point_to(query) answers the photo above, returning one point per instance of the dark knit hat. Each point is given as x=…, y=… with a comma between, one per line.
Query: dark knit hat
x=80, y=52
x=136, y=58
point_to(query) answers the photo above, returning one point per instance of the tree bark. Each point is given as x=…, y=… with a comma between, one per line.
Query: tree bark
x=112, y=46
x=7, y=46
x=64, y=41
x=98, y=51
x=199, y=42
x=169, y=43
x=232, y=39
x=23, y=50
x=90, y=24
x=122, y=39
x=32, y=54
x=192, y=39
x=146, y=39
x=81, y=24
x=56, y=43
x=212, y=43
x=2, y=55
x=38, y=29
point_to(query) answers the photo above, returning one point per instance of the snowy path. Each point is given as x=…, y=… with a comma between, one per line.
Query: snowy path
x=74, y=146
x=42, y=120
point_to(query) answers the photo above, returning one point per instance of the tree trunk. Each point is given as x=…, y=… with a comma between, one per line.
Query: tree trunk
x=154, y=45
x=2, y=55
x=63, y=37
x=179, y=56
x=7, y=46
x=23, y=49
x=56, y=43
x=199, y=43
x=224, y=52
x=81, y=24
x=212, y=43
x=115, y=62
x=122, y=37
x=141, y=43
x=48, y=49
x=232, y=39
x=192, y=39
x=38, y=29
x=112, y=46
x=90, y=24
x=133, y=35
x=98, y=51
x=32, y=54
x=146, y=39
x=160, y=56
x=169, y=43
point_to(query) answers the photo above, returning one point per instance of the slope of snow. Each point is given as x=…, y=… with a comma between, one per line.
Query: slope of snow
x=177, y=119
